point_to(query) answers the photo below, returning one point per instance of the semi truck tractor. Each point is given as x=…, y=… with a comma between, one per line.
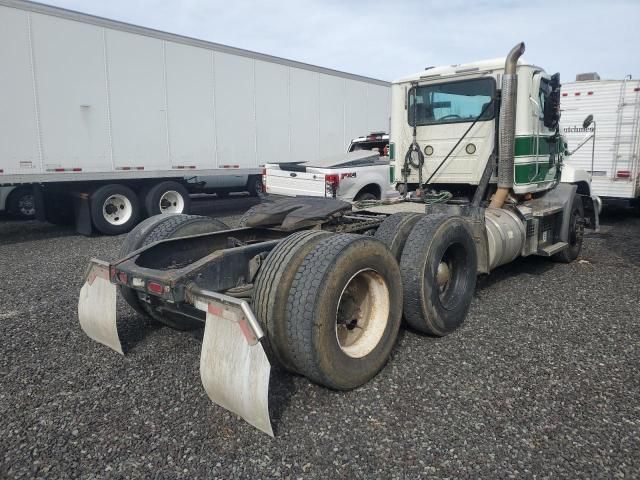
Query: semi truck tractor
x=319, y=286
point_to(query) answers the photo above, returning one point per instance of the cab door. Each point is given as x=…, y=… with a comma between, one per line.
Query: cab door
x=546, y=142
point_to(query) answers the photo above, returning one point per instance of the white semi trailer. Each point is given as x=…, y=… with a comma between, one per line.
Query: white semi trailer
x=112, y=122
x=611, y=143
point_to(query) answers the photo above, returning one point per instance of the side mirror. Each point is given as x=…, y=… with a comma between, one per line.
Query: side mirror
x=587, y=122
x=552, y=104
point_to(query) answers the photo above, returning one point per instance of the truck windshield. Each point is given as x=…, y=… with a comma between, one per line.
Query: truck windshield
x=453, y=102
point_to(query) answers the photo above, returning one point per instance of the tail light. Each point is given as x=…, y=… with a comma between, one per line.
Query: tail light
x=264, y=180
x=623, y=174
x=331, y=184
x=157, y=288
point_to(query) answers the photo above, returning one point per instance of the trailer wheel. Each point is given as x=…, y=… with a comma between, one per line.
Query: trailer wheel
x=439, y=268
x=167, y=197
x=395, y=230
x=114, y=209
x=21, y=203
x=272, y=286
x=153, y=229
x=576, y=234
x=343, y=311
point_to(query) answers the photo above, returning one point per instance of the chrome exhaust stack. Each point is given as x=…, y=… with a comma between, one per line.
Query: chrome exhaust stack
x=506, y=137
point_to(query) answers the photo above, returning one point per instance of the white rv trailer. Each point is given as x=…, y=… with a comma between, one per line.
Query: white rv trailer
x=615, y=106
x=90, y=103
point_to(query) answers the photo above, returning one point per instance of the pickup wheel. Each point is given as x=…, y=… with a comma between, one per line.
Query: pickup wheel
x=153, y=229
x=439, y=268
x=115, y=209
x=395, y=230
x=343, y=311
x=272, y=286
x=365, y=196
x=254, y=186
x=167, y=197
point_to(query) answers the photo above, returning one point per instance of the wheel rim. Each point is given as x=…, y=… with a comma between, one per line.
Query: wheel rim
x=26, y=205
x=171, y=202
x=450, y=278
x=117, y=209
x=362, y=314
x=258, y=187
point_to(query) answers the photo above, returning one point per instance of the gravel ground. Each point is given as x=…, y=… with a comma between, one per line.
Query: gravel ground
x=541, y=381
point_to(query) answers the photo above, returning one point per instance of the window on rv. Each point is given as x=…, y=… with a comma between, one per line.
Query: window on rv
x=453, y=102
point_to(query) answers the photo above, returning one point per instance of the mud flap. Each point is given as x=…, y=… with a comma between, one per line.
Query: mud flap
x=234, y=368
x=97, y=306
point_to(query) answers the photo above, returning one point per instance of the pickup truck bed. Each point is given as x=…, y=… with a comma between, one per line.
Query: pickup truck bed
x=348, y=177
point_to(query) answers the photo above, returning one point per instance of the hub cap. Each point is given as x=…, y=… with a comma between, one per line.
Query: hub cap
x=171, y=202
x=117, y=209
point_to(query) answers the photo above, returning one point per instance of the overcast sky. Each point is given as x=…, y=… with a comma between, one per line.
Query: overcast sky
x=393, y=38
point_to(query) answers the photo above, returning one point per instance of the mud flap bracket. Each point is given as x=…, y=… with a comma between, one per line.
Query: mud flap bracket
x=97, y=306
x=234, y=367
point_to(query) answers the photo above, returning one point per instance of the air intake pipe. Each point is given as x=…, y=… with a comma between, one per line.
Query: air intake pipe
x=506, y=137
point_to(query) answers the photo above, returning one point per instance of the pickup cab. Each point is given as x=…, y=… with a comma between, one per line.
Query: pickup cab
x=352, y=176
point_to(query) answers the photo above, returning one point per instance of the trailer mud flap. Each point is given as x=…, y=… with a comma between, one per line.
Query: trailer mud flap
x=234, y=367
x=97, y=306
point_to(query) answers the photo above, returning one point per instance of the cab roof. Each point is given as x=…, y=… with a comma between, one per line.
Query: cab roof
x=456, y=70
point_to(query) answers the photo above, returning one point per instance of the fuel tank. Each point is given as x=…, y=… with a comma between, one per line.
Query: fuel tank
x=506, y=235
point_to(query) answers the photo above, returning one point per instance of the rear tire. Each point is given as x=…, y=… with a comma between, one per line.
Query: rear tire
x=163, y=227
x=365, y=196
x=254, y=186
x=167, y=197
x=342, y=341
x=21, y=203
x=439, y=267
x=395, y=230
x=576, y=234
x=272, y=286
x=115, y=209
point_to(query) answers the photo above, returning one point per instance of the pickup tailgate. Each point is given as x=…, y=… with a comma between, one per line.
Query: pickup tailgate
x=294, y=183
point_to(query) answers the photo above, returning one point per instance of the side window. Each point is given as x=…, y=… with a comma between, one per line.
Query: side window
x=543, y=94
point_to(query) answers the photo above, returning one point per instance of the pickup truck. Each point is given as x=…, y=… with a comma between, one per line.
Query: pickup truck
x=352, y=176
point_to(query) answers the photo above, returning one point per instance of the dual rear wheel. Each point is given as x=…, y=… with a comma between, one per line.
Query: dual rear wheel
x=116, y=208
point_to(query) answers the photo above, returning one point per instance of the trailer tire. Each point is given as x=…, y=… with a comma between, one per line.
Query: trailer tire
x=343, y=340
x=395, y=230
x=439, y=267
x=21, y=203
x=115, y=209
x=272, y=286
x=163, y=227
x=167, y=197
x=576, y=233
